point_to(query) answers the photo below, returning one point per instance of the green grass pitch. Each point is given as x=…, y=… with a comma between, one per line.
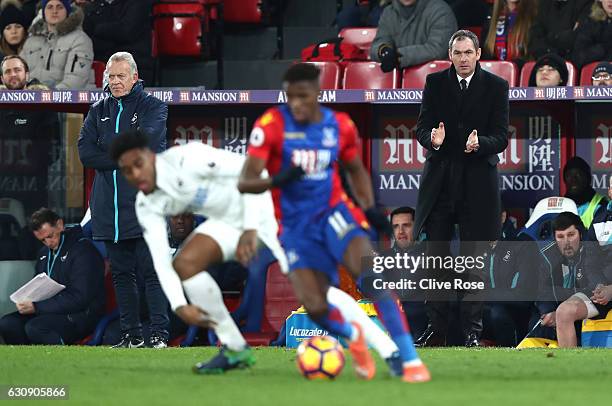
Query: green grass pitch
x=492, y=377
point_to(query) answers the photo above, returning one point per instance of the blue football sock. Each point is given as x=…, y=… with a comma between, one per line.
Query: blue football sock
x=395, y=322
x=334, y=322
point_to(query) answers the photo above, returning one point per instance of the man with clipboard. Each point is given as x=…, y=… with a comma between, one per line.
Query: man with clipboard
x=70, y=260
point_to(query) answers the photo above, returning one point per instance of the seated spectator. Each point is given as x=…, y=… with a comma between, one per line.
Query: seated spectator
x=361, y=15
x=549, y=70
x=505, y=36
x=71, y=314
x=180, y=226
x=402, y=222
x=121, y=25
x=602, y=74
x=230, y=275
x=571, y=275
x=554, y=30
x=13, y=28
x=58, y=52
x=594, y=35
x=577, y=178
x=512, y=268
x=411, y=32
x=16, y=75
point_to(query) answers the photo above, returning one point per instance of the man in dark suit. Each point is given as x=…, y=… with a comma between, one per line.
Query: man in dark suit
x=463, y=124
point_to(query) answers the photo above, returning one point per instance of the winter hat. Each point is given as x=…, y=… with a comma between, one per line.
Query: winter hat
x=66, y=4
x=554, y=61
x=12, y=14
x=603, y=67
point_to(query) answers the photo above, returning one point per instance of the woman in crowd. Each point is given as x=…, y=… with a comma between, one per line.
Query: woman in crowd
x=58, y=51
x=506, y=35
x=13, y=27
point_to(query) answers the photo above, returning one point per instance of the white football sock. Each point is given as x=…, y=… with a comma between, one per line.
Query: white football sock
x=351, y=311
x=203, y=291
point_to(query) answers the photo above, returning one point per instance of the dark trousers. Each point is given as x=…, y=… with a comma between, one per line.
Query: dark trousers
x=506, y=323
x=49, y=329
x=440, y=227
x=129, y=259
x=416, y=314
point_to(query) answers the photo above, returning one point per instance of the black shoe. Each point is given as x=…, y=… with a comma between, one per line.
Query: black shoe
x=225, y=360
x=395, y=363
x=128, y=341
x=430, y=338
x=157, y=341
x=472, y=340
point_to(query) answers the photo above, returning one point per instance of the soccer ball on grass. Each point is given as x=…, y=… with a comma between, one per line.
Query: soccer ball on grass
x=320, y=358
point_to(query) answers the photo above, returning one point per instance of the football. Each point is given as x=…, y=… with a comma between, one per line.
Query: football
x=320, y=357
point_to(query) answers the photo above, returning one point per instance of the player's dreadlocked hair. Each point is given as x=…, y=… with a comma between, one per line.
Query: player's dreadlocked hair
x=301, y=72
x=126, y=141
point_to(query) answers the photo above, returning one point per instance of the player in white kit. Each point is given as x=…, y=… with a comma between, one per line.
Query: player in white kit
x=203, y=180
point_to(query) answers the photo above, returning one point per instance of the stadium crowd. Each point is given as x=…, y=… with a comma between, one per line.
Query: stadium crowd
x=53, y=46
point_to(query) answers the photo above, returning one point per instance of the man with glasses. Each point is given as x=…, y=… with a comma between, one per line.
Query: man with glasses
x=602, y=74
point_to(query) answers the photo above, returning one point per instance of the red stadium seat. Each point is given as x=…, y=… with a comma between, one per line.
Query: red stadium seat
x=367, y=75
x=528, y=67
x=279, y=303
x=98, y=68
x=178, y=29
x=331, y=73
x=360, y=37
x=414, y=76
x=586, y=74
x=504, y=69
x=243, y=11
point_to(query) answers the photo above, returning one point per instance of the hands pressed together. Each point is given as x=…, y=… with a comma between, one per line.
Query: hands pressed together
x=439, y=134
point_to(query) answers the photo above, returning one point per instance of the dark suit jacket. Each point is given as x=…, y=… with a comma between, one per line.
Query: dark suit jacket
x=484, y=107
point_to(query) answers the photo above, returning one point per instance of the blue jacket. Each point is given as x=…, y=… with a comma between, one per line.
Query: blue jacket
x=112, y=198
x=78, y=266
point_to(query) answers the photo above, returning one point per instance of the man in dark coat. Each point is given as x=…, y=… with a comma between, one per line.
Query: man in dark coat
x=126, y=107
x=463, y=124
x=70, y=260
